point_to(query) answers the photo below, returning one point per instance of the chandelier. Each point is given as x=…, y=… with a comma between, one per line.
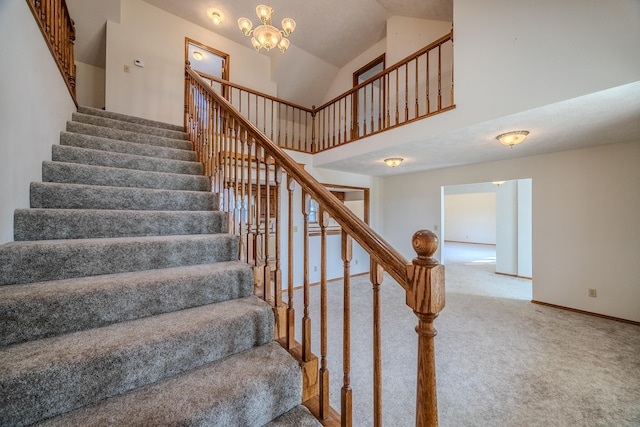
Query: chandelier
x=266, y=35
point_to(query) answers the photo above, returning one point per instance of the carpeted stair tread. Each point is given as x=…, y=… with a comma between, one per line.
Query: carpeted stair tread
x=54, y=195
x=37, y=261
x=124, y=135
x=113, y=145
x=128, y=126
x=265, y=383
x=75, y=173
x=49, y=224
x=51, y=376
x=297, y=417
x=127, y=118
x=91, y=302
x=88, y=156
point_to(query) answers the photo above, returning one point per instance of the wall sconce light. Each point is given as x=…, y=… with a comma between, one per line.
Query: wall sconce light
x=215, y=15
x=512, y=138
x=393, y=161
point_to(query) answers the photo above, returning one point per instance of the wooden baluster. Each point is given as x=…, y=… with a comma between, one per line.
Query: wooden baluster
x=426, y=297
x=380, y=102
x=243, y=196
x=373, y=129
x=428, y=82
x=387, y=88
x=235, y=215
x=250, y=203
x=272, y=117
x=346, y=412
x=406, y=92
x=306, y=320
x=324, y=372
x=397, y=97
x=286, y=126
x=417, y=113
x=291, y=185
x=267, y=231
x=452, y=74
x=280, y=309
x=258, y=238
x=439, y=77
x=376, y=275
x=363, y=96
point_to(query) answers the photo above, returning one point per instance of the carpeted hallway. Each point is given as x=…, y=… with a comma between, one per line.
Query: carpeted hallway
x=501, y=360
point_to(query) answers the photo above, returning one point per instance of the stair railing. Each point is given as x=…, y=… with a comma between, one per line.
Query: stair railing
x=59, y=32
x=419, y=86
x=250, y=172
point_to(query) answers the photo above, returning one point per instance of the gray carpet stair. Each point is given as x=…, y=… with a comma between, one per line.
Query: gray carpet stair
x=122, y=300
x=89, y=156
x=49, y=224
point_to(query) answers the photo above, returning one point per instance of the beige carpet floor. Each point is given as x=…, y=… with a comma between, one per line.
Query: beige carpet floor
x=501, y=360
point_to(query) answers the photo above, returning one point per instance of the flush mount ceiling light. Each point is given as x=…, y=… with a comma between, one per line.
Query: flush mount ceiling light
x=266, y=36
x=512, y=138
x=215, y=15
x=393, y=161
x=498, y=183
x=198, y=56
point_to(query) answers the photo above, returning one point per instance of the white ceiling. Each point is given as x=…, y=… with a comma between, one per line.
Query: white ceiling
x=605, y=117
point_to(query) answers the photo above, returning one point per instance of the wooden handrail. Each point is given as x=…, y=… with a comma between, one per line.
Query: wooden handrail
x=390, y=259
x=58, y=30
x=245, y=167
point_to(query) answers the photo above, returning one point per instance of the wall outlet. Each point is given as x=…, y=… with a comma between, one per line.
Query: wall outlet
x=592, y=293
x=315, y=268
x=126, y=69
x=356, y=261
x=295, y=228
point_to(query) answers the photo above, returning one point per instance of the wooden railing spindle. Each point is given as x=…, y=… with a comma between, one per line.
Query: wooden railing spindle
x=346, y=410
x=324, y=371
x=291, y=321
x=376, y=274
x=306, y=320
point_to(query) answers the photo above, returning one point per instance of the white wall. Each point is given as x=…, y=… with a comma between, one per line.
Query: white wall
x=157, y=37
x=470, y=218
x=507, y=233
x=406, y=35
x=90, y=85
x=585, y=227
x=525, y=229
x=34, y=108
x=544, y=51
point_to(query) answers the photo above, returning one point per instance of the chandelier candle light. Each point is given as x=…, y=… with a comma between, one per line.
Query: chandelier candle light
x=266, y=35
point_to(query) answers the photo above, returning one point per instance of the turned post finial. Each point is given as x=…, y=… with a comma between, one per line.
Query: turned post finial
x=425, y=243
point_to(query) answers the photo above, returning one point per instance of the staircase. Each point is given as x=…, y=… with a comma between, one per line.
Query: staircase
x=123, y=301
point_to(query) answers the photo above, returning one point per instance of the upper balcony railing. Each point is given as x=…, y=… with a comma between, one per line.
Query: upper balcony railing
x=419, y=86
x=59, y=32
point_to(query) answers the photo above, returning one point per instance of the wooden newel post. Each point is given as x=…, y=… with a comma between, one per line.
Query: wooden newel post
x=426, y=297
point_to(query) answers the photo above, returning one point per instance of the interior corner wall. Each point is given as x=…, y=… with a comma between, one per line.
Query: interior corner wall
x=525, y=230
x=585, y=230
x=158, y=38
x=35, y=107
x=90, y=85
x=507, y=229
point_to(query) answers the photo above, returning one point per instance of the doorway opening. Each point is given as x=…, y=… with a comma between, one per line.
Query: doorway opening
x=487, y=229
x=367, y=99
